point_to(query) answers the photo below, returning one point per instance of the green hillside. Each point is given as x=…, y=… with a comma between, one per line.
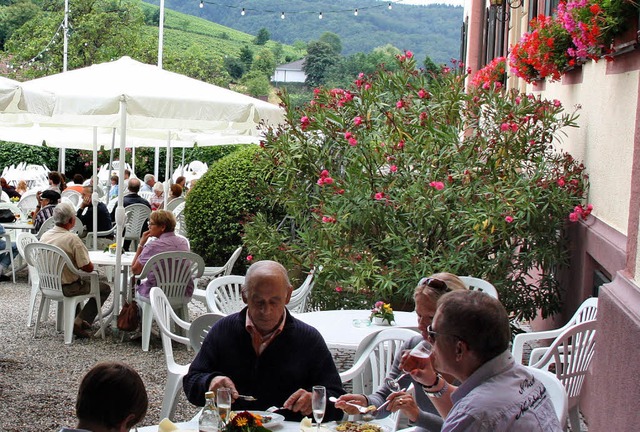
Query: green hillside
x=432, y=30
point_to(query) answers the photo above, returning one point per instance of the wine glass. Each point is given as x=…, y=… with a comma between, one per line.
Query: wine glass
x=318, y=403
x=417, y=359
x=224, y=404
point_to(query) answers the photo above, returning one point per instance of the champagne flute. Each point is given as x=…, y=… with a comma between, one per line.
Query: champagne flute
x=224, y=404
x=318, y=403
x=417, y=359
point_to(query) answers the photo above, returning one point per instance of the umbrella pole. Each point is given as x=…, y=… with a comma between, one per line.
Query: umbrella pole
x=113, y=144
x=167, y=175
x=94, y=194
x=156, y=164
x=120, y=217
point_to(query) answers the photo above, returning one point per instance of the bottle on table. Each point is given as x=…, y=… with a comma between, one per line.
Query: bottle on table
x=209, y=418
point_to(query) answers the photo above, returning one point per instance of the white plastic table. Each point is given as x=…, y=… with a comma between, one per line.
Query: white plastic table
x=346, y=328
x=101, y=258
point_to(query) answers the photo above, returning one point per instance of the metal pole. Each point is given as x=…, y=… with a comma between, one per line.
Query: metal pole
x=65, y=50
x=160, y=34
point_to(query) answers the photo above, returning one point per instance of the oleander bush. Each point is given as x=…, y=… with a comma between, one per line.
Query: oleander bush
x=405, y=174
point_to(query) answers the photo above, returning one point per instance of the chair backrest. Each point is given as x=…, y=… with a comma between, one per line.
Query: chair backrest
x=228, y=266
x=15, y=209
x=374, y=358
x=556, y=392
x=136, y=215
x=146, y=195
x=181, y=225
x=165, y=316
x=22, y=240
x=174, y=203
x=200, y=328
x=49, y=261
x=299, y=297
x=224, y=295
x=112, y=204
x=173, y=271
x=75, y=197
x=571, y=354
x=46, y=226
x=28, y=202
x=587, y=311
x=478, y=284
x=4, y=197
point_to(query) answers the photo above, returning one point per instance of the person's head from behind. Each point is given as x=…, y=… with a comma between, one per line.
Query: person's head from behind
x=111, y=397
x=161, y=221
x=182, y=180
x=78, y=179
x=469, y=329
x=176, y=190
x=149, y=179
x=64, y=215
x=266, y=291
x=54, y=178
x=134, y=185
x=127, y=174
x=427, y=293
x=3, y=183
x=22, y=185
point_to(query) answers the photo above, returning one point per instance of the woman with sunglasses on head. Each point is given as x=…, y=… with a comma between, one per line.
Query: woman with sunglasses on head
x=419, y=409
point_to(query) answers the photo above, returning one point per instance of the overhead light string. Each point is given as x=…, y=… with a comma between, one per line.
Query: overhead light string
x=244, y=10
x=52, y=41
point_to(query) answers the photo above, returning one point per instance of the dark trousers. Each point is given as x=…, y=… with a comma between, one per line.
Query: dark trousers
x=90, y=310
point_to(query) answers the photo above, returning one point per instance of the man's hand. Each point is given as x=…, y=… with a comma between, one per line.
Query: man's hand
x=300, y=402
x=86, y=201
x=223, y=382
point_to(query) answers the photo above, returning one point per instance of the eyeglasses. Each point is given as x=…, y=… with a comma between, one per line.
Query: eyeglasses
x=431, y=335
x=436, y=284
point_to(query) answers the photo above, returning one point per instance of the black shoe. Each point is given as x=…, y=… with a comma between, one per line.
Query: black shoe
x=4, y=278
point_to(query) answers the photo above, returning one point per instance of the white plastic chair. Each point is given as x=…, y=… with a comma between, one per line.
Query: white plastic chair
x=181, y=225
x=224, y=295
x=49, y=262
x=136, y=215
x=373, y=361
x=8, y=248
x=173, y=271
x=299, y=296
x=556, y=392
x=570, y=355
x=200, y=328
x=4, y=197
x=111, y=204
x=225, y=270
x=171, y=205
x=146, y=195
x=74, y=197
x=478, y=284
x=587, y=311
x=23, y=239
x=28, y=202
x=165, y=316
x=46, y=226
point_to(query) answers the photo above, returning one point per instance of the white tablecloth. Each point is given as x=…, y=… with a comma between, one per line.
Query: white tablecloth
x=346, y=328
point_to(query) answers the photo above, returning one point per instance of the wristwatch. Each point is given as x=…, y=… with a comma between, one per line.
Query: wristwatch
x=436, y=394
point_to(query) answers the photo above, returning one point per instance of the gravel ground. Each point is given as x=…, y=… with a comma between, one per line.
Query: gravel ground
x=39, y=377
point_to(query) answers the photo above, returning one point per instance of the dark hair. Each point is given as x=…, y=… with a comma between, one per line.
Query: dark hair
x=109, y=393
x=176, y=190
x=115, y=178
x=478, y=319
x=78, y=179
x=55, y=178
x=180, y=180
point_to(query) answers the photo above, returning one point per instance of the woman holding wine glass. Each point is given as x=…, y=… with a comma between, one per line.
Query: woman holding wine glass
x=418, y=409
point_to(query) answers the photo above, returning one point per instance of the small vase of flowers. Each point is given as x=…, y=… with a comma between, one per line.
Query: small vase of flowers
x=381, y=313
x=245, y=421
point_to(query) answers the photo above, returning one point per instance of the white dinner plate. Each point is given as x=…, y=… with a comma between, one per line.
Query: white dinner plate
x=276, y=418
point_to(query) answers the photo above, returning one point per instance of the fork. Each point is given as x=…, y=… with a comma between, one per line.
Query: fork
x=273, y=409
x=361, y=409
x=247, y=398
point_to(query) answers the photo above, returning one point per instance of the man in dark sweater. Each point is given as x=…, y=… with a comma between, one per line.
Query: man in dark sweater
x=85, y=212
x=132, y=198
x=264, y=352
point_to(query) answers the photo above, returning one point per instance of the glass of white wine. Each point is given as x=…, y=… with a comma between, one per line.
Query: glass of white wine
x=318, y=404
x=224, y=404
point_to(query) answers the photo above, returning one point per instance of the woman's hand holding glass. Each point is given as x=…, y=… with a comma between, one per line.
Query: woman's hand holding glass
x=417, y=362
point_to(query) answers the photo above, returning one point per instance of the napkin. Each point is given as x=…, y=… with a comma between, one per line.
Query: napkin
x=306, y=425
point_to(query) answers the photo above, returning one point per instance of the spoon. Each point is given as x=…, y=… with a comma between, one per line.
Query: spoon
x=361, y=409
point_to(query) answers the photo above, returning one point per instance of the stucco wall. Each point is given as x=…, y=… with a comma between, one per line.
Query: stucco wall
x=607, y=127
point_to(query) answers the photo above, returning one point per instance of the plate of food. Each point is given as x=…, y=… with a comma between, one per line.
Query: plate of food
x=268, y=419
x=360, y=426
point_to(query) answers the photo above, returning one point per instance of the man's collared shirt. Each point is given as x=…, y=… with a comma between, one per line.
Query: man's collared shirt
x=260, y=342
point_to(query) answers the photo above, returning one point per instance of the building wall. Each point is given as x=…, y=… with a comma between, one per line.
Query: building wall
x=289, y=76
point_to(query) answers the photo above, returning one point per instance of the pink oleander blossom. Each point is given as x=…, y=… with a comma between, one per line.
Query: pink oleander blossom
x=437, y=185
x=508, y=219
x=379, y=196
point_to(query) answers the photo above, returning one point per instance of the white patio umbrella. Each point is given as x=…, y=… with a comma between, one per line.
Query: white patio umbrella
x=137, y=99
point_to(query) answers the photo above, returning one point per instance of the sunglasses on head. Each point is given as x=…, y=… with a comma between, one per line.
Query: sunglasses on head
x=436, y=284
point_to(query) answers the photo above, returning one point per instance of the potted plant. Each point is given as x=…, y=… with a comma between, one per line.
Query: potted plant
x=381, y=313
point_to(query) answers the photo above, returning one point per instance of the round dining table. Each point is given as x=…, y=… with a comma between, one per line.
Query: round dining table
x=345, y=329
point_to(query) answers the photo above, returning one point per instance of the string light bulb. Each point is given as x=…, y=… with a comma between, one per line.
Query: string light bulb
x=282, y=15
x=242, y=12
x=355, y=12
x=320, y=15
x=390, y=7
x=201, y=4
